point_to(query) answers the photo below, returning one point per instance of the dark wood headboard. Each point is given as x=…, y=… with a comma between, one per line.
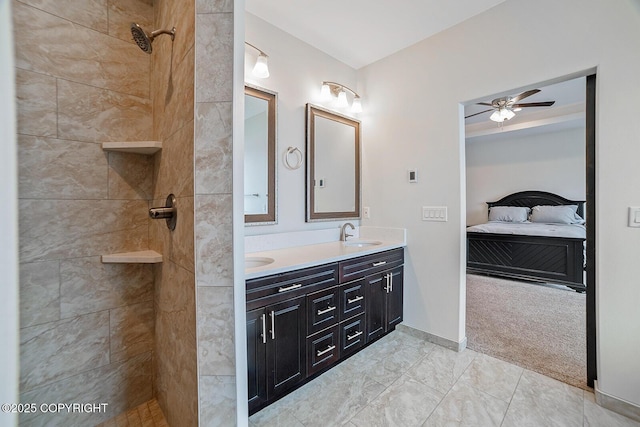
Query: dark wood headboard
x=533, y=198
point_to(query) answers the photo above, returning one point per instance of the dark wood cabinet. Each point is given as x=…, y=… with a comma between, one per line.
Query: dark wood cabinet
x=384, y=302
x=256, y=357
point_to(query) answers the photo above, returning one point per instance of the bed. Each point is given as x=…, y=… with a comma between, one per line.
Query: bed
x=537, y=247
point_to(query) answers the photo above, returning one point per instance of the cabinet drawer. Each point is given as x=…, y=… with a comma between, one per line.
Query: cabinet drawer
x=352, y=299
x=357, y=268
x=323, y=349
x=352, y=335
x=271, y=289
x=323, y=309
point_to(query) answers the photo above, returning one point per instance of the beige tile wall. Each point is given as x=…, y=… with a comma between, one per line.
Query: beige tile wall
x=87, y=329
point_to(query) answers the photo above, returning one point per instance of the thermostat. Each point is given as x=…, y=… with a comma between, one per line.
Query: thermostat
x=412, y=174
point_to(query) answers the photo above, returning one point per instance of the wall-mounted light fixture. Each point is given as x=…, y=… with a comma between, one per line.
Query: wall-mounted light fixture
x=330, y=89
x=261, y=69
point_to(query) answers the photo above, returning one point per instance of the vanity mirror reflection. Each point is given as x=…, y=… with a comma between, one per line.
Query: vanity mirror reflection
x=259, y=156
x=333, y=165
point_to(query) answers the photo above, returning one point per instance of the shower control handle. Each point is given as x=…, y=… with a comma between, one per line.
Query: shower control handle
x=169, y=212
x=162, y=213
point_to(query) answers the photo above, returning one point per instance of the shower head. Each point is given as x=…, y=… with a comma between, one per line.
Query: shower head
x=144, y=40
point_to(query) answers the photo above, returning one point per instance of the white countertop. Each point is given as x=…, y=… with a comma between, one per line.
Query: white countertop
x=297, y=257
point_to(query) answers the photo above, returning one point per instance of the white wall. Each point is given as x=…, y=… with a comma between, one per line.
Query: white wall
x=297, y=72
x=9, y=221
x=504, y=164
x=413, y=118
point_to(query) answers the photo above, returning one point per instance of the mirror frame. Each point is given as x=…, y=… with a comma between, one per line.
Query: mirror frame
x=272, y=100
x=313, y=111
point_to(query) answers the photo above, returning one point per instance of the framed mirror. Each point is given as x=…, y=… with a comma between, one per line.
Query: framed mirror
x=333, y=165
x=259, y=156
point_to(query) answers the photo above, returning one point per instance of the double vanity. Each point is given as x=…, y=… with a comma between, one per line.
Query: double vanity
x=308, y=307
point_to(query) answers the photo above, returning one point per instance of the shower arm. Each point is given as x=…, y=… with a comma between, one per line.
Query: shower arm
x=156, y=33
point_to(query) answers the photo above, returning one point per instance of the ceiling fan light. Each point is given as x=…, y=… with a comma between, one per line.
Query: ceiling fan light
x=496, y=116
x=261, y=69
x=508, y=114
x=342, y=99
x=356, y=106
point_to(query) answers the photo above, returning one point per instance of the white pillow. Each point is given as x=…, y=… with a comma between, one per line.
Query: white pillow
x=564, y=214
x=508, y=214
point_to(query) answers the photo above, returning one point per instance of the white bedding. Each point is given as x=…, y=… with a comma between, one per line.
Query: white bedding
x=531, y=229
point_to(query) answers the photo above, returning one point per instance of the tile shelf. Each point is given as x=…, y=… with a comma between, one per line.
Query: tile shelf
x=138, y=147
x=138, y=257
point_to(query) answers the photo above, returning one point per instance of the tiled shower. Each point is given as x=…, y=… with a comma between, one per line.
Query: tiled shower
x=123, y=334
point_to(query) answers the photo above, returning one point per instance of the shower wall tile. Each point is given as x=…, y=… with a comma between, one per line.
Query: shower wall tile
x=86, y=113
x=122, y=385
x=53, y=168
x=178, y=102
x=217, y=401
x=132, y=329
x=123, y=12
x=57, y=47
x=171, y=13
x=214, y=6
x=174, y=165
x=214, y=240
x=214, y=148
x=90, y=13
x=56, y=350
x=176, y=245
x=36, y=103
x=39, y=293
x=87, y=285
x=130, y=176
x=57, y=229
x=216, y=351
x=214, y=50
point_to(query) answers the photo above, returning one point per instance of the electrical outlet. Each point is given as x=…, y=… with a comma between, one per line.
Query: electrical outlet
x=366, y=212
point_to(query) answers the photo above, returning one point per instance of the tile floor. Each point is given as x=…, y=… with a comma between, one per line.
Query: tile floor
x=147, y=414
x=404, y=381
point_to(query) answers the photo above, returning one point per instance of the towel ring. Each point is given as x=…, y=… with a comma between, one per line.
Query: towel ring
x=299, y=158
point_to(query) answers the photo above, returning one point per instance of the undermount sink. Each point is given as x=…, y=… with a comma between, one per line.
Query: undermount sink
x=254, y=261
x=361, y=243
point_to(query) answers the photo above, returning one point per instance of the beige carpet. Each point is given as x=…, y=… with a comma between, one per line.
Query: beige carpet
x=537, y=327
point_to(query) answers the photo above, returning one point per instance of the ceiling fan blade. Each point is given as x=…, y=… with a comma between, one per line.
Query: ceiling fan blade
x=484, y=103
x=524, y=95
x=475, y=114
x=534, y=104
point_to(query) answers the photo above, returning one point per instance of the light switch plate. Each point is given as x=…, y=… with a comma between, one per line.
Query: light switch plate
x=434, y=213
x=634, y=216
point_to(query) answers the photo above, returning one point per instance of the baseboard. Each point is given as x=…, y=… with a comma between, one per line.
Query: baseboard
x=616, y=405
x=452, y=345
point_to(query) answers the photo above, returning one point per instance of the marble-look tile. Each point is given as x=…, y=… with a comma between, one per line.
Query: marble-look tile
x=88, y=285
x=216, y=350
x=597, y=416
x=559, y=404
x=39, y=293
x=175, y=103
x=214, y=6
x=467, y=406
x=122, y=385
x=51, y=45
x=36, y=103
x=123, y=12
x=214, y=50
x=176, y=245
x=214, y=240
x=214, y=148
x=51, y=168
x=86, y=113
x=174, y=165
x=131, y=330
x=182, y=15
x=130, y=176
x=493, y=376
x=406, y=402
x=55, y=229
x=175, y=353
x=442, y=367
x=157, y=414
x=91, y=13
x=217, y=401
x=274, y=415
x=56, y=350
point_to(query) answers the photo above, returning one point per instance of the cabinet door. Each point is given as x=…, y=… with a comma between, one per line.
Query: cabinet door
x=376, y=305
x=286, y=353
x=256, y=357
x=352, y=297
x=394, y=298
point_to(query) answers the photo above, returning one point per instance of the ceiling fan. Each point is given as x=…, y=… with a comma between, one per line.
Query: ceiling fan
x=504, y=108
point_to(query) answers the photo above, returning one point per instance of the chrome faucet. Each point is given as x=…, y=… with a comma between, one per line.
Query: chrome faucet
x=343, y=233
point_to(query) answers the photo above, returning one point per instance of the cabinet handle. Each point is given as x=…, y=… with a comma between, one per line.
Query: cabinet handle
x=391, y=280
x=289, y=288
x=356, y=335
x=273, y=325
x=356, y=299
x=326, y=310
x=386, y=287
x=325, y=351
x=376, y=264
x=264, y=328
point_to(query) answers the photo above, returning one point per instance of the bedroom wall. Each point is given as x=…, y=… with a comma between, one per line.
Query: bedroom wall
x=501, y=165
x=413, y=118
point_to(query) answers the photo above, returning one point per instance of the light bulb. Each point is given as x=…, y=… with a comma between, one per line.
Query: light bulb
x=356, y=107
x=261, y=69
x=325, y=92
x=342, y=100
